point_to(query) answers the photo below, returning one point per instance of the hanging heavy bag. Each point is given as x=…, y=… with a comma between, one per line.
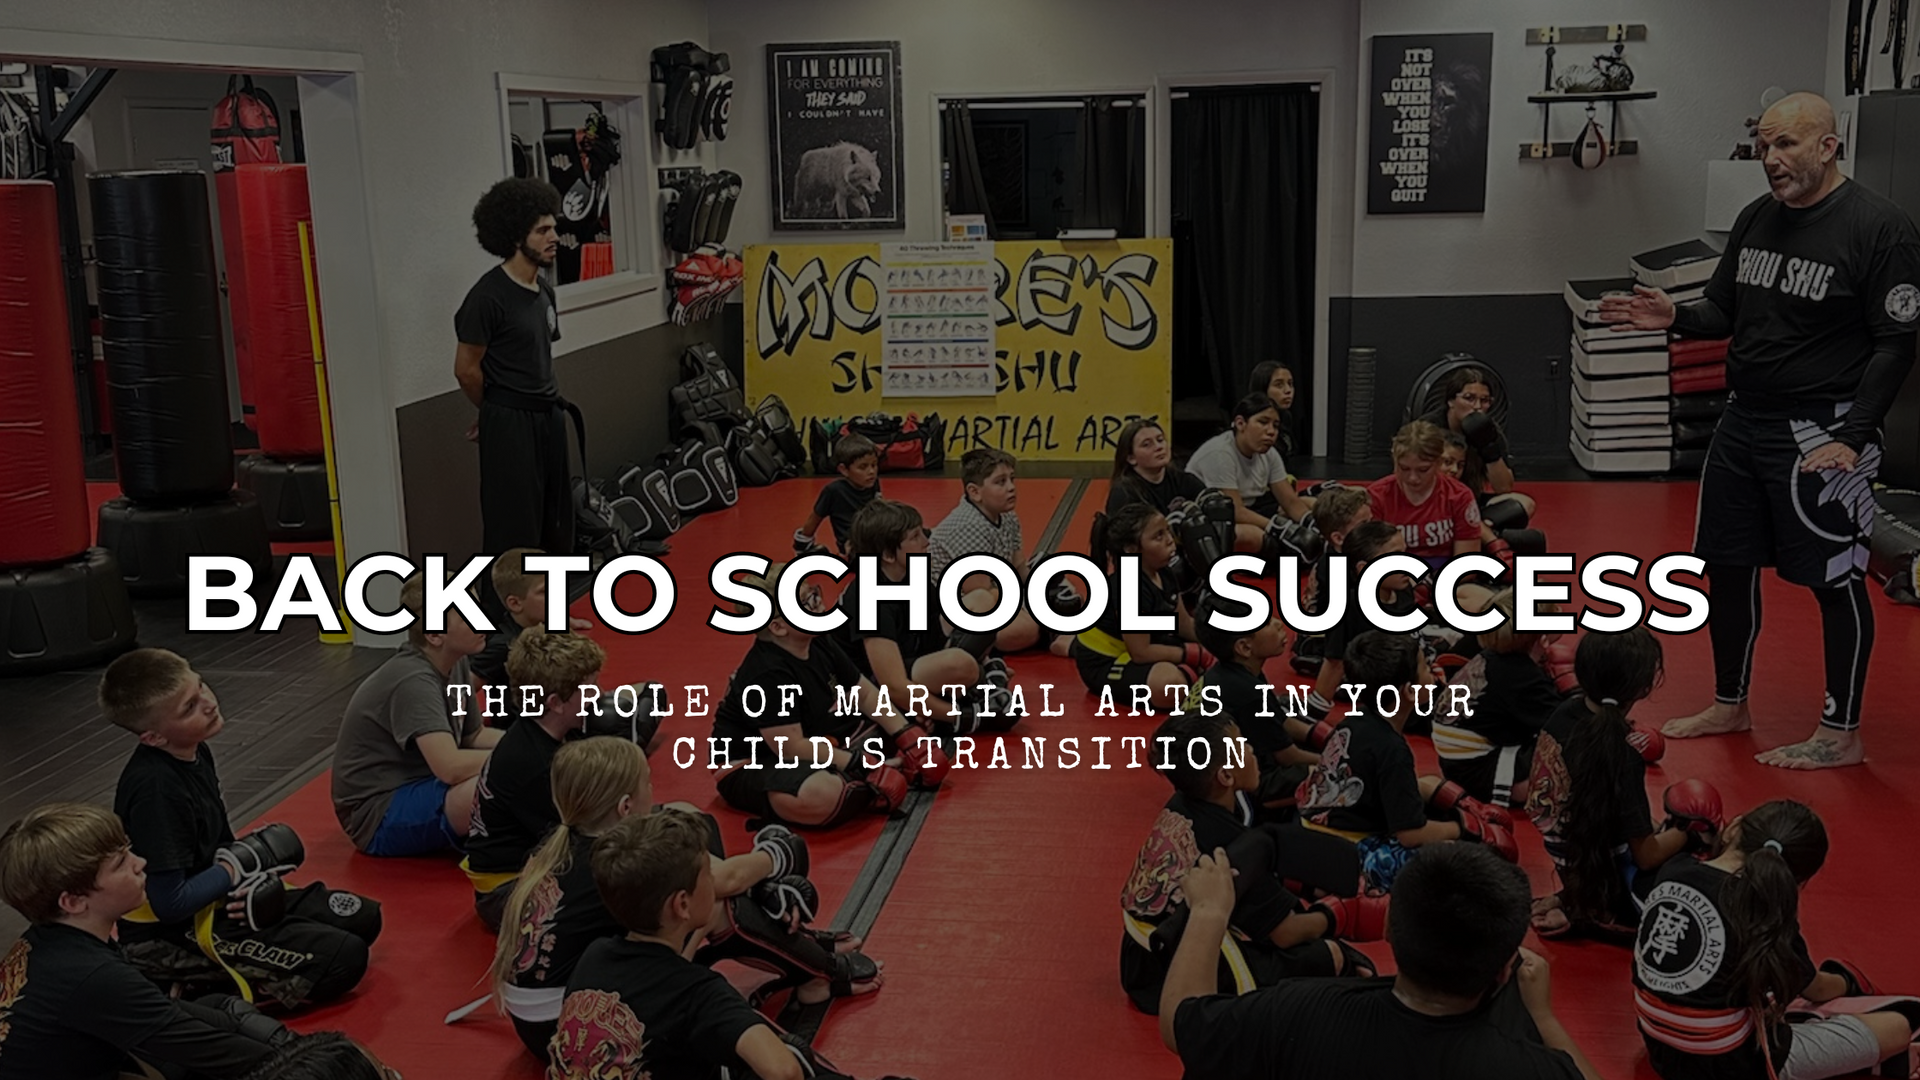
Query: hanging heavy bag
x=1590, y=150
x=773, y=415
x=245, y=131
x=645, y=502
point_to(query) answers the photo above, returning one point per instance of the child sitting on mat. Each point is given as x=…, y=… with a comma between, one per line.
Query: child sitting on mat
x=1487, y=747
x=911, y=663
x=1276, y=934
x=1720, y=962
x=555, y=911
x=71, y=1006
x=858, y=462
x=1468, y=1002
x=1589, y=795
x=1436, y=513
x=635, y=1004
x=1143, y=470
x=1270, y=516
x=985, y=523
x=218, y=914
x=854, y=781
x=1336, y=513
x=1366, y=787
x=1132, y=664
x=1237, y=685
x=405, y=765
x=523, y=595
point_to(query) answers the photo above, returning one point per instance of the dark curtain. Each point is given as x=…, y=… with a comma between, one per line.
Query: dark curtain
x=1245, y=165
x=966, y=191
x=1111, y=195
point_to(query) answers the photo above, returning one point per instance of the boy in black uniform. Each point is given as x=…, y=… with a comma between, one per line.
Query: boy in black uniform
x=1487, y=748
x=217, y=913
x=635, y=1005
x=1277, y=936
x=756, y=727
x=507, y=326
x=1365, y=542
x=1237, y=685
x=513, y=803
x=1336, y=512
x=858, y=462
x=523, y=596
x=1819, y=289
x=70, y=1004
x=1468, y=1001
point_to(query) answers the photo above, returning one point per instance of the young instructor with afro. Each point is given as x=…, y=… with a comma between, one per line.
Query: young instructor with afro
x=507, y=326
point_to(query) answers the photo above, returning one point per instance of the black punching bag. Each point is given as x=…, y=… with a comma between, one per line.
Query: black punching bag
x=160, y=325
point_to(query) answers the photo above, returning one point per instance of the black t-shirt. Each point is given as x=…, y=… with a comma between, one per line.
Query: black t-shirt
x=1310, y=1029
x=1515, y=703
x=839, y=501
x=1685, y=956
x=174, y=815
x=513, y=802
x=1551, y=799
x=891, y=623
x=518, y=326
x=72, y=1007
x=1366, y=781
x=1240, y=696
x=1812, y=293
x=1131, y=487
x=1154, y=600
x=637, y=1008
x=1185, y=830
x=819, y=676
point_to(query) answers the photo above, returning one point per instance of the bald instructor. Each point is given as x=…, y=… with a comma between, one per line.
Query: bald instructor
x=1820, y=290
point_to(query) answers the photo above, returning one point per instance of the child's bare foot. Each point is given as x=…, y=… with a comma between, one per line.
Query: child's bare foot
x=1718, y=718
x=1549, y=918
x=1062, y=645
x=1827, y=749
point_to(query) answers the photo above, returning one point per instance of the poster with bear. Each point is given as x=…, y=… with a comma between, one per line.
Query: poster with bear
x=1427, y=126
x=835, y=134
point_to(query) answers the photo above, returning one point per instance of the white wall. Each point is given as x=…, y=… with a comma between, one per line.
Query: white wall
x=1547, y=221
x=1010, y=46
x=430, y=121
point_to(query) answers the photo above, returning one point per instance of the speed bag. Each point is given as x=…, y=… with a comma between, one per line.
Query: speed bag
x=1590, y=149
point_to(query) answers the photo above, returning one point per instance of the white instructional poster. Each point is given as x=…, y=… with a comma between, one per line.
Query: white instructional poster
x=937, y=330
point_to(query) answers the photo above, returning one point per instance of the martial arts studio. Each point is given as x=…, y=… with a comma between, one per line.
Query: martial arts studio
x=722, y=538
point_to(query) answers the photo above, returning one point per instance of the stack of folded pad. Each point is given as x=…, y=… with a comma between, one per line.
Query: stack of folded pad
x=1699, y=380
x=1626, y=384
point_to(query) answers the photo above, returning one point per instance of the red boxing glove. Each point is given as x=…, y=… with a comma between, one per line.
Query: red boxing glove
x=924, y=764
x=1858, y=985
x=1694, y=807
x=889, y=788
x=1557, y=659
x=1319, y=734
x=1452, y=798
x=1355, y=918
x=1198, y=659
x=1649, y=744
x=1501, y=550
x=1476, y=827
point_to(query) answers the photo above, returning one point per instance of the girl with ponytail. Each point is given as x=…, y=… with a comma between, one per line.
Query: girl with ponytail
x=1109, y=656
x=1588, y=793
x=1720, y=957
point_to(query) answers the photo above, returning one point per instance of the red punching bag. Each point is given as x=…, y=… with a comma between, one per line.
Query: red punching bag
x=43, y=490
x=245, y=131
x=273, y=202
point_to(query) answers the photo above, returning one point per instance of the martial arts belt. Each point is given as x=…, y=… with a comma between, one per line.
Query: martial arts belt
x=484, y=883
x=1461, y=744
x=203, y=937
x=1141, y=932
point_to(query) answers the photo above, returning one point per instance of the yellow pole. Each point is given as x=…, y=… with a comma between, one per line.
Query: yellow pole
x=326, y=436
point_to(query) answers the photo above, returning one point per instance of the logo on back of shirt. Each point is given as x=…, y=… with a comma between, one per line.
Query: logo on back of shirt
x=1903, y=302
x=1683, y=940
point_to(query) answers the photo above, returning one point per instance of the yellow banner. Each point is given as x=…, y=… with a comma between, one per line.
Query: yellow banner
x=1083, y=339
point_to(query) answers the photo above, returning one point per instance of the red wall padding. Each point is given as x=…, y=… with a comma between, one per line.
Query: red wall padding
x=226, y=191
x=43, y=489
x=273, y=201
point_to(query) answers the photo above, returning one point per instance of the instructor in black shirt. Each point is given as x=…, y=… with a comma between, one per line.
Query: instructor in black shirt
x=1819, y=289
x=507, y=326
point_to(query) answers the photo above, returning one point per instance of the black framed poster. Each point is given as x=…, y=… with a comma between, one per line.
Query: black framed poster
x=835, y=134
x=1427, y=132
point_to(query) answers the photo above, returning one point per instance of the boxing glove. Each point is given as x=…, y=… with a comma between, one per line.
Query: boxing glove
x=975, y=643
x=805, y=544
x=1694, y=807
x=1451, y=798
x=1065, y=599
x=1319, y=734
x=1478, y=829
x=1483, y=434
x=1301, y=538
x=785, y=847
x=1355, y=918
x=782, y=897
x=1196, y=658
x=995, y=672
x=1858, y=985
x=924, y=764
x=1649, y=744
x=1501, y=550
x=1557, y=659
x=255, y=862
x=247, y=1020
x=889, y=787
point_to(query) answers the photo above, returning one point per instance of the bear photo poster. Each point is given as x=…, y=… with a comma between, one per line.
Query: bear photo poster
x=835, y=135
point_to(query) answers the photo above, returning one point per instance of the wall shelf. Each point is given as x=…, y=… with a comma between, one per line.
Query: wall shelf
x=1587, y=35
x=1546, y=148
x=1554, y=97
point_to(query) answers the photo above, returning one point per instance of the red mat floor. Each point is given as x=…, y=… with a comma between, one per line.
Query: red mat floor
x=1001, y=934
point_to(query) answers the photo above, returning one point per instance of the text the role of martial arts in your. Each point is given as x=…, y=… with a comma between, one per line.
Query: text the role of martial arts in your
x=1607, y=582
x=1070, y=752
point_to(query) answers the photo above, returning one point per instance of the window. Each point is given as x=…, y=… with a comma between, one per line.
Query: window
x=1046, y=165
x=589, y=140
